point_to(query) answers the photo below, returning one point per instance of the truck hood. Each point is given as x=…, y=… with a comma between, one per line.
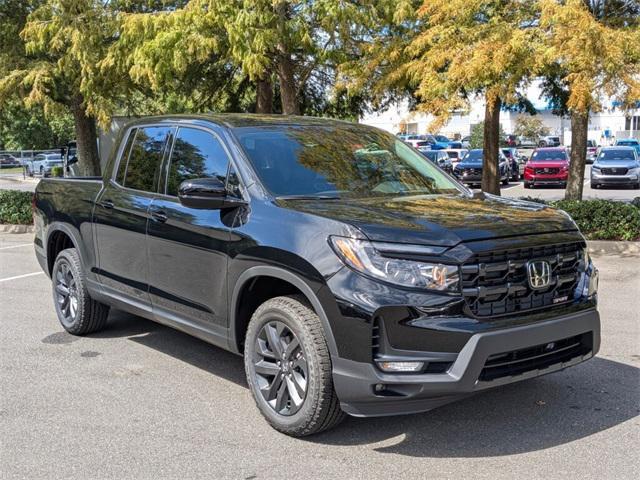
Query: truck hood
x=439, y=219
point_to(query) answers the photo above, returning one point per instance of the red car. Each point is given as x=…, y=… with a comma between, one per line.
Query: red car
x=547, y=166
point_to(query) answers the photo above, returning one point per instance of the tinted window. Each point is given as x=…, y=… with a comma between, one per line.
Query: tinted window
x=432, y=155
x=196, y=154
x=507, y=153
x=549, y=155
x=145, y=158
x=617, y=154
x=338, y=160
x=122, y=166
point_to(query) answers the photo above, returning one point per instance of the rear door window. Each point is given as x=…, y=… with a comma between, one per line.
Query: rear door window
x=143, y=168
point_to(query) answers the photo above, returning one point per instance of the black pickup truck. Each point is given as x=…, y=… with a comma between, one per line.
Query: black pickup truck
x=352, y=274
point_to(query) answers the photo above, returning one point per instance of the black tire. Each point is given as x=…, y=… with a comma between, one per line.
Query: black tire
x=320, y=408
x=636, y=186
x=505, y=181
x=90, y=315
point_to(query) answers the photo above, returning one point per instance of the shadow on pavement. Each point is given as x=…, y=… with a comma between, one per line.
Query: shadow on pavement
x=518, y=418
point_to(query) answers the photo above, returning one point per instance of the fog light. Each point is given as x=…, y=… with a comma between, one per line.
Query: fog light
x=400, y=366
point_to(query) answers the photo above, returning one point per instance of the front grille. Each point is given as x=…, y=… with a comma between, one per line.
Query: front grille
x=375, y=337
x=473, y=171
x=539, y=357
x=496, y=283
x=615, y=171
x=547, y=171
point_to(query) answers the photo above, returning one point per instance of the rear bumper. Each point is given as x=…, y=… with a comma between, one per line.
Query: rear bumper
x=355, y=382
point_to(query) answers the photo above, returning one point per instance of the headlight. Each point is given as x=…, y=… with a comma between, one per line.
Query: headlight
x=595, y=169
x=362, y=256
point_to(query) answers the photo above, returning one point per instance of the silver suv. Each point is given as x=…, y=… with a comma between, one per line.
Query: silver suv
x=616, y=166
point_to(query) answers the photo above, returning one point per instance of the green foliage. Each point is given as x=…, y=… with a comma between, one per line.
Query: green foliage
x=530, y=127
x=57, y=171
x=477, y=135
x=601, y=219
x=15, y=207
x=23, y=128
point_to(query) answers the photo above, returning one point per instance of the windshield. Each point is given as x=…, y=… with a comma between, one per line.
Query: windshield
x=616, y=154
x=473, y=156
x=628, y=142
x=549, y=155
x=441, y=138
x=339, y=160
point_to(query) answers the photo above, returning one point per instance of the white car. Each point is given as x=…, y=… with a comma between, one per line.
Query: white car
x=43, y=163
x=456, y=154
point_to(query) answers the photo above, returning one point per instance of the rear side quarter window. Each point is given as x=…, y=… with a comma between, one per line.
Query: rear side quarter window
x=145, y=158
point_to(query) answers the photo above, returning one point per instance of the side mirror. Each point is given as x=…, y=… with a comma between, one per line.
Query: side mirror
x=206, y=193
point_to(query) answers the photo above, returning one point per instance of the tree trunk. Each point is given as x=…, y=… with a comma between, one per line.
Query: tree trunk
x=579, y=132
x=86, y=138
x=288, y=89
x=264, y=96
x=490, y=167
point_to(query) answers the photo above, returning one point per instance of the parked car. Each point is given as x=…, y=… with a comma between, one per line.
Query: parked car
x=441, y=142
x=43, y=163
x=8, y=161
x=440, y=158
x=469, y=170
x=456, y=154
x=592, y=151
x=423, y=146
x=629, y=142
x=616, y=166
x=549, y=141
x=415, y=140
x=526, y=142
x=547, y=166
x=352, y=275
x=515, y=162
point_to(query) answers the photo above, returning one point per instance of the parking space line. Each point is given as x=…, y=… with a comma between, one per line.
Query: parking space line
x=20, y=276
x=17, y=246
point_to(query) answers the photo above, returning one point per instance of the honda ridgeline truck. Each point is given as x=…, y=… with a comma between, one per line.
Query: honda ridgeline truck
x=353, y=275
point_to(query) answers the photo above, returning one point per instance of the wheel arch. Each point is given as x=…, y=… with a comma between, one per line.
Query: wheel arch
x=238, y=324
x=59, y=237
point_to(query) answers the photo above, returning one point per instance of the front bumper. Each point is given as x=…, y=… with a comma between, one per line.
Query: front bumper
x=356, y=382
x=629, y=179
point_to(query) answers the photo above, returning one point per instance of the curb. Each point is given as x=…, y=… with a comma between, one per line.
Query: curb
x=609, y=247
x=17, y=229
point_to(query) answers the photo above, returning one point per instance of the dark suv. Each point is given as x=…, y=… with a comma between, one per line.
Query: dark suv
x=353, y=275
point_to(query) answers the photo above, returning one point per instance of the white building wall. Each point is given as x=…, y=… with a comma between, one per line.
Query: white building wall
x=604, y=126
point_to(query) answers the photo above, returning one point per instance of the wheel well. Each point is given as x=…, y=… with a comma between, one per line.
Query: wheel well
x=58, y=241
x=254, y=293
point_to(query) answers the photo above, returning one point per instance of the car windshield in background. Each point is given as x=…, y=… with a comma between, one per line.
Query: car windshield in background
x=473, y=156
x=339, y=161
x=441, y=138
x=616, y=154
x=551, y=155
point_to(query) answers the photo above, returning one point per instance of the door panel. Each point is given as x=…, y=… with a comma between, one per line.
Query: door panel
x=121, y=214
x=187, y=262
x=188, y=247
x=120, y=223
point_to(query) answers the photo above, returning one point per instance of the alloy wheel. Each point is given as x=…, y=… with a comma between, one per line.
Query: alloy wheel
x=280, y=365
x=66, y=293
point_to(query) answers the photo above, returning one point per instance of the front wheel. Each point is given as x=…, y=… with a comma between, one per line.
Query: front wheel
x=288, y=368
x=78, y=313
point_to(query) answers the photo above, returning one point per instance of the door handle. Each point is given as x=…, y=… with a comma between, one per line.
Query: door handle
x=108, y=204
x=159, y=216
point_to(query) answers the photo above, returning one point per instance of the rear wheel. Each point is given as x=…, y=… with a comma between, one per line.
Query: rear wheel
x=288, y=368
x=78, y=313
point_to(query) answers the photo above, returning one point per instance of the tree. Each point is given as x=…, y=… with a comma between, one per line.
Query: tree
x=477, y=135
x=456, y=50
x=23, y=128
x=593, y=52
x=530, y=127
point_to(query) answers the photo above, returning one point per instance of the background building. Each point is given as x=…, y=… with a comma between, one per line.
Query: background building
x=604, y=126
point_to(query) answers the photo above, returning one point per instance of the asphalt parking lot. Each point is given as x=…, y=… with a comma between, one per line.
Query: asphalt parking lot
x=142, y=401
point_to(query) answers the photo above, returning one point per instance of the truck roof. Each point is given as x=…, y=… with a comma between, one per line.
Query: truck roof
x=238, y=120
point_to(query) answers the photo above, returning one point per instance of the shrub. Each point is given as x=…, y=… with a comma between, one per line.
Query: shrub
x=57, y=172
x=603, y=219
x=15, y=207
